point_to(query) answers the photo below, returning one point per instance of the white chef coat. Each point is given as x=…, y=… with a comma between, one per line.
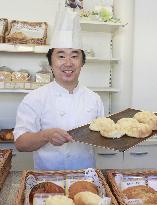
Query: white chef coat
x=51, y=106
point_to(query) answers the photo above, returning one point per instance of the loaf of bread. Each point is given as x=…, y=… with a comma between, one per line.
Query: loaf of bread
x=86, y=198
x=81, y=186
x=101, y=123
x=147, y=194
x=45, y=187
x=20, y=76
x=59, y=200
x=148, y=118
x=133, y=128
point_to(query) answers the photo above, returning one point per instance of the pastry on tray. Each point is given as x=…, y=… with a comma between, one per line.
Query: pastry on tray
x=100, y=123
x=81, y=186
x=132, y=128
x=45, y=187
x=148, y=118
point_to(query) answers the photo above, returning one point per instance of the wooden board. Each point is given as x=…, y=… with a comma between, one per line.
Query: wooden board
x=85, y=135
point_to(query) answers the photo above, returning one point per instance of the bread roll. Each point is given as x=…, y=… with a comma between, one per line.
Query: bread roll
x=44, y=187
x=81, y=186
x=59, y=200
x=100, y=123
x=147, y=194
x=112, y=131
x=148, y=118
x=86, y=198
x=133, y=128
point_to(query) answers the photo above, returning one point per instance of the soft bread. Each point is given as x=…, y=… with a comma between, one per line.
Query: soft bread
x=147, y=117
x=44, y=187
x=59, y=200
x=147, y=194
x=133, y=128
x=81, y=186
x=112, y=131
x=86, y=198
x=100, y=123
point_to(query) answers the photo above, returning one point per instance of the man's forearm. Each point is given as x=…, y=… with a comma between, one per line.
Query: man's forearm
x=29, y=141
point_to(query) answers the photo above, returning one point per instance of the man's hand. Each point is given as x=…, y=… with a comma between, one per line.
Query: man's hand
x=57, y=136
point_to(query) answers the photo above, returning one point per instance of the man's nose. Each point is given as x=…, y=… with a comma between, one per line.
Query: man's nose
x=68, y=62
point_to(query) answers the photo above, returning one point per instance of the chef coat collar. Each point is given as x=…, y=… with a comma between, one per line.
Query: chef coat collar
x=63, y=90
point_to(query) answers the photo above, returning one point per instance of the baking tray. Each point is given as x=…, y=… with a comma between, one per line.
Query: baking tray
x=85, y=135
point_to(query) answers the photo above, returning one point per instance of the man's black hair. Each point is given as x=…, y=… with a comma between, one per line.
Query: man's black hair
x=49, y=54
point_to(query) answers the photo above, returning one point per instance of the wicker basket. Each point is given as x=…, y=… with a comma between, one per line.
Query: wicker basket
x=21, y=191
x=117, y=192
x=3, y=28
x=5, y=165
x=23, y=32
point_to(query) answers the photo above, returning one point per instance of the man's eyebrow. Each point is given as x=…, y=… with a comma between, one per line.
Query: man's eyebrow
x=60, y=52
x=77, y=52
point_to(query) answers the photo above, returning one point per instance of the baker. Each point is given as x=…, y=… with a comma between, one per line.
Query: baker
x=47, y=113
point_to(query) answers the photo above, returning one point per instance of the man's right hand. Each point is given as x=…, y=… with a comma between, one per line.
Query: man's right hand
x=57, y=136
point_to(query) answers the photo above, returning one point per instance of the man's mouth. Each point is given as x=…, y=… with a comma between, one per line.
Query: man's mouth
x=68, y=71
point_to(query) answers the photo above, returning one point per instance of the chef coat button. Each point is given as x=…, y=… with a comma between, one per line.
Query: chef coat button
x=62, y=114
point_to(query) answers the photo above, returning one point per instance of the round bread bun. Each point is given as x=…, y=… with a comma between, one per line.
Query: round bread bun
x=126, y=121
x=44, y=187
x=147, y=194
x=59, y=200
x=112, y=131
x=100, y=123
x=133, y=128
x=86, y=198
x=147, y=117
x=81, y=186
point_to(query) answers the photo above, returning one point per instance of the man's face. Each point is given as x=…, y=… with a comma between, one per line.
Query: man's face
x=66, y=65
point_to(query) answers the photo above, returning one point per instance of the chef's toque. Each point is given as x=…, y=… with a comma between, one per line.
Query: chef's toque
x=67, y=30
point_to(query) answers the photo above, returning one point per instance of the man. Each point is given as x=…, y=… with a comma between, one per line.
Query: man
x=46, y=114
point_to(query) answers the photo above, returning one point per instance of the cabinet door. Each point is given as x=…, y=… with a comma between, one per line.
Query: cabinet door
x=141, y=157
x=108, y=159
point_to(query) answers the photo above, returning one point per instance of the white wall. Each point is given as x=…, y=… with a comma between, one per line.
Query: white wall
x=123, y=47
x=144, y=95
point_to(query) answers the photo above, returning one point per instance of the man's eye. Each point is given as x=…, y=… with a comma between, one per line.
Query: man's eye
x=74, y=56
x=61, y=57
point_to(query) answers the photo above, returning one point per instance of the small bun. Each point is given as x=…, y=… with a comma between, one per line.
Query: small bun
x=81, y=186
x=148, y=118
x=86, y=198
x=59, y=200
x=100, y=123
x=44, y=187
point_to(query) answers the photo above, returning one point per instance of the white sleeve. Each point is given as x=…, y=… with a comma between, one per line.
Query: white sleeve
x=27, y=119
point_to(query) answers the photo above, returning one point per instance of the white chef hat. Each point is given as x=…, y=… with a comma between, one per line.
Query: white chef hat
x=67, y=30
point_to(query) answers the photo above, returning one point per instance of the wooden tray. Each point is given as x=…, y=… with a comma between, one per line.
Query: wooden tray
x=21, y=191
x=85, y=135
x=117, y=192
